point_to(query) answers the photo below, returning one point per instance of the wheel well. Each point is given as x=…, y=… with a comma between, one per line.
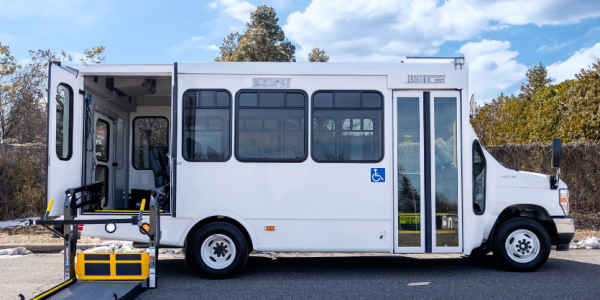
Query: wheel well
x=213, y=219
x=529, y=211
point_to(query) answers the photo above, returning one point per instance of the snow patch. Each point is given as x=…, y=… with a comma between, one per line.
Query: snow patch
x=15, y=251
x=124, y=247
x=589, y=243
x=16, y=223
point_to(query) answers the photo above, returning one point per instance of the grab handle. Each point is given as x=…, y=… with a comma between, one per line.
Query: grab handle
x=141, y=212
x=48, y=209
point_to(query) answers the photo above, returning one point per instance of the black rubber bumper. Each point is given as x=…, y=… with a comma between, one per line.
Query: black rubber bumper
x=563, y=240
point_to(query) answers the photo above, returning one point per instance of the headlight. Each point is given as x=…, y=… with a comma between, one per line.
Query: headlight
x=564, y=200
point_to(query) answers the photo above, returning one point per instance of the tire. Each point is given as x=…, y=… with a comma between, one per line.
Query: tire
x=521, y=244
x=220, y=250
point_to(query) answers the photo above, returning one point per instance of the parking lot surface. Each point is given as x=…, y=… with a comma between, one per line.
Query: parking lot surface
x=572, y=274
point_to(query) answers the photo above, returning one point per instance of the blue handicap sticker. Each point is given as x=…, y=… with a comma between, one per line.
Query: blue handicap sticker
x=377, y=174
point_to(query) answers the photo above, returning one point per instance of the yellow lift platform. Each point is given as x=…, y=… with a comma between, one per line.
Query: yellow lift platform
x=103, y=275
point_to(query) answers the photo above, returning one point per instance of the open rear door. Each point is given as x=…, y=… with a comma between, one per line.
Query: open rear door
x=65, y=134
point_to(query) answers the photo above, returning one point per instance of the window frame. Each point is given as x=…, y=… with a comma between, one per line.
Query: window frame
x=107, y=140
x=478, y=145
x=133, y=137
x=258, y=92
x=71, y=102
x=106, y=182
x=231, y=100
x=345, y=109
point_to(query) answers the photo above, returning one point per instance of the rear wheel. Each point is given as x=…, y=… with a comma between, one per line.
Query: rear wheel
x=521, y=244
x=220, y=250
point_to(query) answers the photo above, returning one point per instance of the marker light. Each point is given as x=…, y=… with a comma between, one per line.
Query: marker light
x=110, y=227
x=80, y=227
x=270, y=228
x=146, y=227
x=564, y=200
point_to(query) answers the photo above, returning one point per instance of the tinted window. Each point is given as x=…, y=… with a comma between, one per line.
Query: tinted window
x=149, y=132
x=271, y=99
x=478, y=179
x=274, y=131
x=371, y=100
x=206, y=133
x=102, y=140
x=347, y=100
x=348, y=132
x=64, y=116
x=323, y=100
x=295, y=100
x=248, y=99
x=207, y=98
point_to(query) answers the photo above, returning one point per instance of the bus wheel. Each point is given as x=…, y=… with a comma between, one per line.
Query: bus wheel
x=521, y=244
x=220, y=250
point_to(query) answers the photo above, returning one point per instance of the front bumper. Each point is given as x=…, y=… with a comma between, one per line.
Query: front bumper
x=565, y=229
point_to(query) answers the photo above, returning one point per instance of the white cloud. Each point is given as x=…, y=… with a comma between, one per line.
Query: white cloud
x=371, y=30
x=239, y=10
x=195, y=42
x=554, y=48
x=567, y=69
x=213, y=5
x=492, y=68
x=593, y=32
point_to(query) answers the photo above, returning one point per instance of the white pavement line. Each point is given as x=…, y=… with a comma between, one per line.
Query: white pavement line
x=418, y=283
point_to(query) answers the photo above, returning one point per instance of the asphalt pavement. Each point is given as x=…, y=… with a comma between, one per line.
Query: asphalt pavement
x=572, y=274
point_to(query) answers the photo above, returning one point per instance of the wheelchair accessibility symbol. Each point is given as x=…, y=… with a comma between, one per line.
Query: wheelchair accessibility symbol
x=377, y=174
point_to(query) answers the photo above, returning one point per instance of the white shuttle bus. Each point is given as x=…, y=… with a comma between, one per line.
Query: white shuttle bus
x=295, y=157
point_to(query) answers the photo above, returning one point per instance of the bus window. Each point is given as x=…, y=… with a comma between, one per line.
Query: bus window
x=148, y=132
x=271, y=126
x=64, y=121
x=206, y=134
x=347, y=126
x=478, y=179
x=102, y=140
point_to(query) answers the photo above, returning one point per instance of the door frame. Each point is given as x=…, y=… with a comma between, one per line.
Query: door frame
x=427, y=169
x=407, y=94
x=111, y=156
x=68, y=173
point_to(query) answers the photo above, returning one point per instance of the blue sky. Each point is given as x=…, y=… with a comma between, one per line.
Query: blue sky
x=500, y=39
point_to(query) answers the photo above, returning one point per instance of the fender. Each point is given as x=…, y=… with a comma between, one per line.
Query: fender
x=494, y=217
x=236, y=217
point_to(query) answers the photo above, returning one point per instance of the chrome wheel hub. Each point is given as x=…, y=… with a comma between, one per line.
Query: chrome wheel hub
x=522, y=246
x=218, y=251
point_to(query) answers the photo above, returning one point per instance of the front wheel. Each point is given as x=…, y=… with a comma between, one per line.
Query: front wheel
x=521, y=244
x=220, y=250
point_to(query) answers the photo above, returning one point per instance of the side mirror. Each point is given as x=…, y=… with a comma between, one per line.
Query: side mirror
x=556, y=152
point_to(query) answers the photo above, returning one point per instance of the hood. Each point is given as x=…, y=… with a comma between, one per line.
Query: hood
x=522, y=179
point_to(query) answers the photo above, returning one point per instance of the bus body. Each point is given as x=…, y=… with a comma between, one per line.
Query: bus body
x=296, y=157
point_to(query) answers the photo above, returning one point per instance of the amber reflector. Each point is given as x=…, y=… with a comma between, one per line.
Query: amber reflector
x=270, y=228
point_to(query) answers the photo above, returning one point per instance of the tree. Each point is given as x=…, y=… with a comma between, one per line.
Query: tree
x=536, y=80
x=317, y=55
x=408, y=196
x=8, y=64
x=263, y=40
x=23, y=106
x=568, y=110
